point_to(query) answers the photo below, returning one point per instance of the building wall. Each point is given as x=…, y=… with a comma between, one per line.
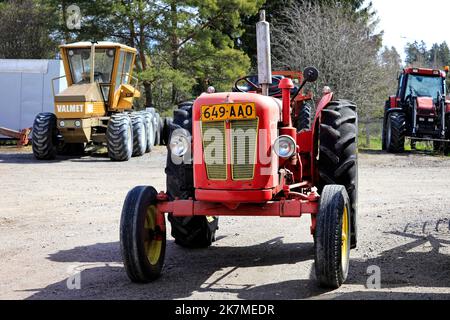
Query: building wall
x=26, y=90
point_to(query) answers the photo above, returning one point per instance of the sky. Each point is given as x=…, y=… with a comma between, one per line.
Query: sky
x=408, y=20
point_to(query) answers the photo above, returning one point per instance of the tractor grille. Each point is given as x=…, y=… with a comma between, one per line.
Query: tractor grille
x=214, y=148
x=244, y=135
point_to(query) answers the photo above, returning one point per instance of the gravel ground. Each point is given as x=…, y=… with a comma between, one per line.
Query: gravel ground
x=60, y=218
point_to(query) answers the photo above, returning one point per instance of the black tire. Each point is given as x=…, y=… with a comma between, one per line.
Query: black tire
x=142, y=241
x=304, y=117
x=161, y=131
x=119, y=137
x=149, y=131
x=44, y=136
x=331, y=239
x=338, y=154
x=166, y=130
x=139, y=134
x=157, y=129
x=383, y=135
x=395, y=132
x=189, y=232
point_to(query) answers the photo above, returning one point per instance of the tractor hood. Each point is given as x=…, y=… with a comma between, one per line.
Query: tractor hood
x=88, y=92
x=425, y=106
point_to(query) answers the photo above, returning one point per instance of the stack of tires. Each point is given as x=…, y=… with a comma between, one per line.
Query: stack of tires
x=132, y=134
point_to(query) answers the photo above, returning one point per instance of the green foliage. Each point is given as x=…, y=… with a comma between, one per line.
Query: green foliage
x=418, y=55
x=24, y=30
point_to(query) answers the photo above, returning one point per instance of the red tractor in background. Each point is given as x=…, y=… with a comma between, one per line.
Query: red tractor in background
x=418, y=111
x=238, y=154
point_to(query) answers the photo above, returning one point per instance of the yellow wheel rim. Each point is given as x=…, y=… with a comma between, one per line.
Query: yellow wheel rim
x=152, y=243
x=345, y=238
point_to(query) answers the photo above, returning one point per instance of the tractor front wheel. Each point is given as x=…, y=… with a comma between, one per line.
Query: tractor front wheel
x=395, y=132
x=119, y=136
x=44, y=136
x=332, y=237
x=142, y=236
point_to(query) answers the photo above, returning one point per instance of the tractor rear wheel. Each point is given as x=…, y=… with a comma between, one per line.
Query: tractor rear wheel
x=338, y=154
x=119, y=136
x=149, y=131
x=332, y=238
x=304, y=117
x=44, y=136
x=142, y=240
x=139, y=134
x=395, y=132
x=157, y=129
x=189, y=232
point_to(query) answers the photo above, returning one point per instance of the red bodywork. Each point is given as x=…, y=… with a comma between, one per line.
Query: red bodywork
x=425, y=106
x=265, y=194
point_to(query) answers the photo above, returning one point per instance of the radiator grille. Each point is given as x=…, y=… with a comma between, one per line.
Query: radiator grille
x=214, y=148
x=244, y=135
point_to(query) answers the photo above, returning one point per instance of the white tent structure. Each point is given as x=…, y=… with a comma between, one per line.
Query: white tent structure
x=26, y=90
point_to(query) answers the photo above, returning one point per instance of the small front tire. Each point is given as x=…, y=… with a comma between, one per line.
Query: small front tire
x=142, y=236
x=332, y=240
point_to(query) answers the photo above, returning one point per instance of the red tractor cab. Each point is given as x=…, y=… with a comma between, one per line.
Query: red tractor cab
x=238, y=154
x=418, y=111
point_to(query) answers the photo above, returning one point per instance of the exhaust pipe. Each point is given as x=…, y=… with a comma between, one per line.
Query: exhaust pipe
x=264, y=54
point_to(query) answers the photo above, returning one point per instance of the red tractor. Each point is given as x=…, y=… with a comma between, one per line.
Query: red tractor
x=238, y=154
x=418, y=111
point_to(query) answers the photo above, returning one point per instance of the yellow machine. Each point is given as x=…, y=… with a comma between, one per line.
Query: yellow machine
x=97, y=106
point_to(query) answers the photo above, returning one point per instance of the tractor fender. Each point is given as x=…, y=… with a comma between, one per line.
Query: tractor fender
x=326, y=99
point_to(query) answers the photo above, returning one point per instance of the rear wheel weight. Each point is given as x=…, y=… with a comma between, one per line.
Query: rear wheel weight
x=119, y=136
x=142, y=241
x=44, y=137
x=331, y=238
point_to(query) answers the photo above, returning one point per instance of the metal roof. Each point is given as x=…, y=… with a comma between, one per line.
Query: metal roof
x=100, y=44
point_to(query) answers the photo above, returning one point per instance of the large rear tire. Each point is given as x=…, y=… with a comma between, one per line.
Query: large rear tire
x=189, y=232
x=149, y=131
x=139, y=134
x=338, y=154
x=119, y=137
x=303, y=122
x=44, y=136
x=331, y=238
x=395, y=132
x=142, y=240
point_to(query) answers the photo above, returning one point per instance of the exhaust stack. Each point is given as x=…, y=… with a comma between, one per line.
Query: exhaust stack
x=264, y=54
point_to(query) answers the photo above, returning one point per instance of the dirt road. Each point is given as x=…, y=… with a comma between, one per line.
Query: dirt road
x=58, y=219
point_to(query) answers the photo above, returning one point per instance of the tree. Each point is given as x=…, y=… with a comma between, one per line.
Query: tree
x=342, y=45
x=24, y=30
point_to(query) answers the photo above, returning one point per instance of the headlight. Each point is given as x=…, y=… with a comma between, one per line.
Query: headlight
x=285, y=147
x=62, y=124
x=78, y=123
x=180, y=142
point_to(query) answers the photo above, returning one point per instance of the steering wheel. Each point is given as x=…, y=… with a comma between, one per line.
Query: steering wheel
x=247, y=79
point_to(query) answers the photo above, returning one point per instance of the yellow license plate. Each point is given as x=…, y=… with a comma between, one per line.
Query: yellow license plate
x=229, y=111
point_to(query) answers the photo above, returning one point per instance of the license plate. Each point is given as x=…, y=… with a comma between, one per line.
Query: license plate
x=229, y=111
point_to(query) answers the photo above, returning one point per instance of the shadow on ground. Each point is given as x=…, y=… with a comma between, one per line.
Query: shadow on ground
x=186, y=272
x=191, y=271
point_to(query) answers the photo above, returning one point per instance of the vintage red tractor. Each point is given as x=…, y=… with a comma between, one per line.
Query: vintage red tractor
x=238, y=154
x=418, y=111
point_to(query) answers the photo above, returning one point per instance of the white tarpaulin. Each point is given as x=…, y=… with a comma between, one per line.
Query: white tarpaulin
x=26, y=90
